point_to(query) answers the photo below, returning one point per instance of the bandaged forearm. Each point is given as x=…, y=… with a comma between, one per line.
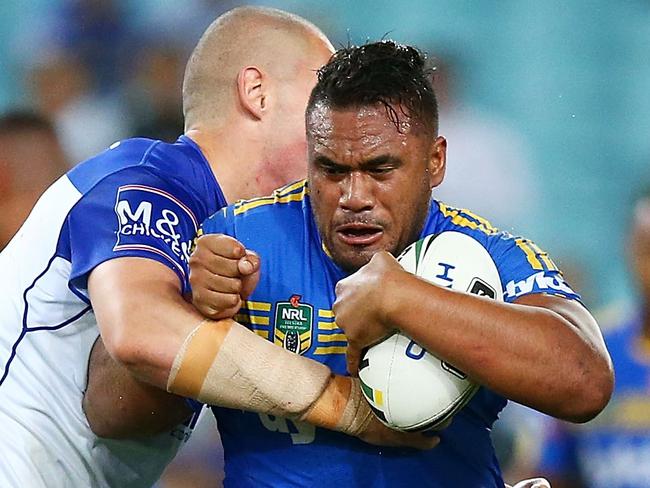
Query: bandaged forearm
x=225, y=364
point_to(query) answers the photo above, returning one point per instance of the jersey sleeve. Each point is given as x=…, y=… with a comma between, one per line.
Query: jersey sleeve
x=526, y=269
x=135, y=213
x=220, y=222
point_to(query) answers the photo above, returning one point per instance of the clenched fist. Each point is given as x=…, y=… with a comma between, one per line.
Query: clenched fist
x=362, y=302
x=223, y=273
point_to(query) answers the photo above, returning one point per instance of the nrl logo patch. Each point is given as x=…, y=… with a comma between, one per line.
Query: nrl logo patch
x=293, y=325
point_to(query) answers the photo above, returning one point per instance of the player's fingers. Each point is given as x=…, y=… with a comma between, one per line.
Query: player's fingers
x=213, y=282
x=220, y=245
x=202, y=279
x=216, y=305
x=352, y=357
x=249, y=282
x=214, y=264
x=249, y=264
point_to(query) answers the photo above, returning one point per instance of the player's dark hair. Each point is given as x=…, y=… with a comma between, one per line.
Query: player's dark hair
x=379, y=73
x=24, y=120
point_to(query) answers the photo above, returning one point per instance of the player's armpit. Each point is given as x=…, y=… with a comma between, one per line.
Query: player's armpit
x=118, y=406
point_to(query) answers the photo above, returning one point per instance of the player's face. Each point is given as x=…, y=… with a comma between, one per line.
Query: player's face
x=370, y=184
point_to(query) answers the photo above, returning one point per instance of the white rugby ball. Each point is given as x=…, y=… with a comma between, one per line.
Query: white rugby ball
x=408, y=388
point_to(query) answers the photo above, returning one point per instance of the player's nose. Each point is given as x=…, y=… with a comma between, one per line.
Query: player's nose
x=357, y=193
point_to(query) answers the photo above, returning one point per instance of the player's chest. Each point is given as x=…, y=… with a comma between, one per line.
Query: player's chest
x=292, y=307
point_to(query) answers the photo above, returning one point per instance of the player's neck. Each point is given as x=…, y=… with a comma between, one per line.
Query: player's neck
x=231, y=156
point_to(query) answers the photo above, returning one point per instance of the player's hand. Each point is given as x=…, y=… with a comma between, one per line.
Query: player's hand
x=378, y=434
x=223, y=273
x=532, y=483
x=360, y=304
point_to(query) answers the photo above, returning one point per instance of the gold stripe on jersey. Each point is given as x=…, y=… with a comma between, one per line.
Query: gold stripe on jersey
x=332, y=338
x=543, y=255
x=254, y=322
x=537, y=258
x=326, y=251
x=258, y=320
x=279, y=196
x=282, y=191
x=327, y=326
x=262, y=333
x=285, y=190
x=326, y=314
x=465, y=218
x=279, y=338
x=330, y=350
x=523, y=244
x=257, y=306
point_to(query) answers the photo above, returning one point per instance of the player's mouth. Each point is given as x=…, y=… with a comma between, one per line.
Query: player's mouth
x=359, y=234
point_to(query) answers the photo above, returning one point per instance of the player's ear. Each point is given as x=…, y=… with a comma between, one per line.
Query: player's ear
x=438, y=161
x=251, y=91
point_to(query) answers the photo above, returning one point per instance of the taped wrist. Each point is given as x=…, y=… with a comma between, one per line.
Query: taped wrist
x=357, y=414
x=341, y=407
x=225, y=364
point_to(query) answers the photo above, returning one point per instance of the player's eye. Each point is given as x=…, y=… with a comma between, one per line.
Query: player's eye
x=334, y=170
x=381, y=170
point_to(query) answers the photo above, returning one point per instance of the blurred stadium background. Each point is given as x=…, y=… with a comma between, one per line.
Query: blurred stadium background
x=546, y=106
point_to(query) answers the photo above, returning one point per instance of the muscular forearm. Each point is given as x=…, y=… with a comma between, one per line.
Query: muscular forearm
x=530, y=354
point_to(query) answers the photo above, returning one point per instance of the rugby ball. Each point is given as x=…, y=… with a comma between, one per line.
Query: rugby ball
x=408, y=388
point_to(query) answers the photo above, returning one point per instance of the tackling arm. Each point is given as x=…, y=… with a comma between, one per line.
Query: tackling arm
x=163, y=341
x=542, y=351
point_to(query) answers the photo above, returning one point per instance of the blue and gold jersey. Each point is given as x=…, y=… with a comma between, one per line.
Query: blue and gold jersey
x=292, y=307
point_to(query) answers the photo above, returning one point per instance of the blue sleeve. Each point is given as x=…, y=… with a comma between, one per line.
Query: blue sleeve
x=219, y=223
x=136, y=213
x=526, y=269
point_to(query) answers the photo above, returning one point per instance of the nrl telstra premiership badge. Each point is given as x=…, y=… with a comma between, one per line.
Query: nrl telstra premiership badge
x=293, y=325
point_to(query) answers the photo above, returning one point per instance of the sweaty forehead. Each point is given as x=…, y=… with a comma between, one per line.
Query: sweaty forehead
x=355, y=129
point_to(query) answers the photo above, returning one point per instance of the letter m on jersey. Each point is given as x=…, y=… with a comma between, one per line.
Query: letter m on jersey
x=293, y=325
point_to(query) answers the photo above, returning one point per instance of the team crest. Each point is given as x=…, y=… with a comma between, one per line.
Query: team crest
x=293, y=325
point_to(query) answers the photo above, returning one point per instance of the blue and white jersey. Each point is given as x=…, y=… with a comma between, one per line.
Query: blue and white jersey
x=292, y=307
x=139, y=198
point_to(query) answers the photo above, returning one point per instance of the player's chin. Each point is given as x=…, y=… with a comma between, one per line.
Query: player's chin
x=352, y=258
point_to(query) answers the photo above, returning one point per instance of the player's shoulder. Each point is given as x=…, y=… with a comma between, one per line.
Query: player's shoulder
x=444, y=217
x=142, y=157
x=280, y=211
x=288, y=198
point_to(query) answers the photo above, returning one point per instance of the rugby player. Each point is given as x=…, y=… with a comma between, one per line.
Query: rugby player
x=325, y=246
x=106, y=249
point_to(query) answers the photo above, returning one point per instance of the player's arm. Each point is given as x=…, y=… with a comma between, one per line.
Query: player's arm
x=118, y=406
x=542, y=351
x=148, y=328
